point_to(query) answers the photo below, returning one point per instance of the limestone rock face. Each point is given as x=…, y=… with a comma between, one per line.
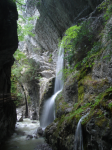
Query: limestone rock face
x=89, y=91
x=46, y=91
x=32, y=93
x=56, y=16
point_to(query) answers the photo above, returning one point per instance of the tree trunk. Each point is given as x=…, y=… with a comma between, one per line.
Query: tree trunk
x=26, y=112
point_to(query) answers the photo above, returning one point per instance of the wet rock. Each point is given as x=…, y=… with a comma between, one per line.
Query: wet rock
x=29, y=137
x=35, y=136
x=46, y=90
x=19, y=118
x=34, y=115
x=34, y=122
x=40, y=131
x=47, y=73
x=70, y=90
x=68, y=110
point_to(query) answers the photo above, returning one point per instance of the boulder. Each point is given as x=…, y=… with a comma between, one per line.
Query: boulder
x=29, y=137
x=40, y=131
x=19, y=118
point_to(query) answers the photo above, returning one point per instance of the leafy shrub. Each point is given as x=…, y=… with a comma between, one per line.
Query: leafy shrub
x=77, y=42
x=23, y=70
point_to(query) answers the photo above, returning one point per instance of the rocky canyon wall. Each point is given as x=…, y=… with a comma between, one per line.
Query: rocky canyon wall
x=54, y=18
x=8, y=45
x=87, y=91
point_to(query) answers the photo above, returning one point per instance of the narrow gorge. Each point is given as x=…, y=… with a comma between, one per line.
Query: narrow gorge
x=56, y=74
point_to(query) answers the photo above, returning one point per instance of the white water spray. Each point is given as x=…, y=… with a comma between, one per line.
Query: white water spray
x=48, y=114
x=20, y=141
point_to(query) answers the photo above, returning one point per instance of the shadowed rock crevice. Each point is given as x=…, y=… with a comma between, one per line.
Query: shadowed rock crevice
x=8, y=45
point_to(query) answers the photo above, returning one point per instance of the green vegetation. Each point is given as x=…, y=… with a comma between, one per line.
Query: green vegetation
x=50, y=58
x=104, y=5
x=81, y=40
x=70, y=34
x=107, y=7
x=24, y=69
x=93, y=90
x=61, y=104
x=80, y=50
x=17, y=68
x=83, y=48
x=102, y=100
x=24, y=23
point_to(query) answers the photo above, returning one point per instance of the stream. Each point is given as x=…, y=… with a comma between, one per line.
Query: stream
x=21, y=140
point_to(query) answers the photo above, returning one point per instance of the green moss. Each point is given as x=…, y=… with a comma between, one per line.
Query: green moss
x=71, y=79
x=29, y=99
x=101, y=100
x=60, y=122
x=96, y=101
x=80, y=94
x=77, y=112
x=60, y=103
x=50, y=60
x=110, y=105
x=88, y=117
x=94, y=106
x=81, y=108
x=108, y=12
x=88, y=81
x=83, y=72
x=99, y=122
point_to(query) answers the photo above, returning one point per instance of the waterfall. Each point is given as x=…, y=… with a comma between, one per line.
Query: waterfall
x=78, y=145
x=79, y=137
x=48, y=114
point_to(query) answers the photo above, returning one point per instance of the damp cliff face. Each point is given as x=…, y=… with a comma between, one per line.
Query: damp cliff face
x=87, y=90
x=8, y=45
x=8, y=42
x=54, y=18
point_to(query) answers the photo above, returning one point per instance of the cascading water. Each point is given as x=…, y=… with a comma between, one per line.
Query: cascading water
x=24, y=137
x=79, y=137
x=78, y=145
x=48, y=114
